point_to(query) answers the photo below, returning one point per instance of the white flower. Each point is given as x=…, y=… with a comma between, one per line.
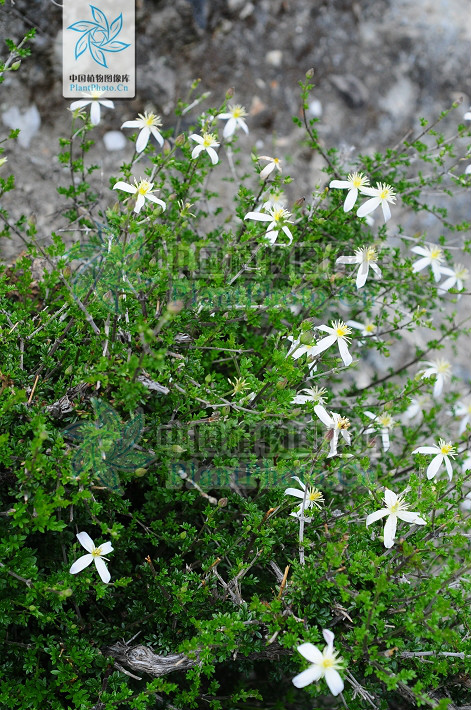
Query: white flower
x=235, y=119
x=385, y=422
x=337, y=334
x=325, y=664
x=431, y=256
x=96, y=102
x=416, y=407
x=439, y=368
x=313, y=394
x=299, y=349
x=277, y=216
x=353, y=183
x=143, y=189
x=395, y=508
x=380, y=195
x=207, y=142
x=272, y=164
x=148, y=123
x=364, y=257
x=367, y=328
x=467, y=116
x=313, y=497
x=442, y=452
x=463, y=409
x=276, y=198
x=457, y=275
x=336, y=425
x=95, y=554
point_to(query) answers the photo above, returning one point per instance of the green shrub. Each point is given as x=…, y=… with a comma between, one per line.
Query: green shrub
x=147, y=386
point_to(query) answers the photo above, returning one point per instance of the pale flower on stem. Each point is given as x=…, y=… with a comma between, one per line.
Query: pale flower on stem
x=385, y=423
x=143, y=189
x=415, y=410
x=442, y=452
x=395, y=509
x=95, y=554
x=93, y=98
x=272, y=164
x=324, y=664
x=441, y=369
x=365, y=258
x=336, y=425
x=207, y=142
x=463, y=410
x=431, y=256
x=276, y=198
x=298, y=349
x=309, y=496
x=382, y=194
x=313, y=394
x=278, y=219
x=366, y=328
x=354, y=183
x=456, y=276
x=148, y=124
x=338, y=333
x=235, y=119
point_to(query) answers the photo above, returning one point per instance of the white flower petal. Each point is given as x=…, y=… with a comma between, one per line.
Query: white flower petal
x=390, y=531
x=334, y=681
x=344, y=353
x=368, y=207
x=310, y=675
x=95, y=113
x=86, y=541
x=310, y=652
x=350, y=200
x=142, y=139
x=81, y=563
x=102, y=570
x=434, y=466
x=377, y=515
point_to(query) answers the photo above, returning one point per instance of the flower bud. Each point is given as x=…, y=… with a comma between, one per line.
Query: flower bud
x=180, y=140
x=16, y=65
x=222, y=502
x=229, y=93
x=306, y=338
x=310, y=73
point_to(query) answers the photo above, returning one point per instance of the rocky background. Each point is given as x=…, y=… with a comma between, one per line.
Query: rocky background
x=379, y=66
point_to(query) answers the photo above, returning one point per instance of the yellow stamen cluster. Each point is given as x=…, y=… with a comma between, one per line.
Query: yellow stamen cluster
x=386, y=420
x=447, y=449
x=239, y=385
x=386, y=192
x=96, y=552
x=341, y=329
x=237, y=111
x=443, y=367
x=150, y=119
x=209, y=139
x=370, y=327
x=315, y=496
x=358, y=180
x=343, y=423
x=144, y=186
x=436, y=254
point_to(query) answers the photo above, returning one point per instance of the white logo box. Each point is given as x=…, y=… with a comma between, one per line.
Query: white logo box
x=98, y=49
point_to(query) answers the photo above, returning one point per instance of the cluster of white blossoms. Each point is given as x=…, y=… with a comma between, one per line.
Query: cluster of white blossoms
x=272, y=211
x=433, y=256
x=357, y=183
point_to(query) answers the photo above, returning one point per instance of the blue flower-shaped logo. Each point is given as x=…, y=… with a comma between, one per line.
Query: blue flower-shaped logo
x=98, y=36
